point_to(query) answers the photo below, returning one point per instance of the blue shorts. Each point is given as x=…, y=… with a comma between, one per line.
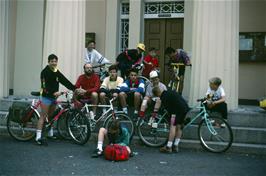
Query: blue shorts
x=48, y=101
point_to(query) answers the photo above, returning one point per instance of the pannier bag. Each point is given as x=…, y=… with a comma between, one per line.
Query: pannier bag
x=18, y=110
x=116, y=152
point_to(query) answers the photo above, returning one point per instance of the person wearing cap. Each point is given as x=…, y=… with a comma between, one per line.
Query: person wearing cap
x=128, y=58
x=150, y=62
x=177, y=56
x=154, y=78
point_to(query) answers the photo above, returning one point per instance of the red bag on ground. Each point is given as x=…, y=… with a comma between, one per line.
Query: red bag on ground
x=116, y=152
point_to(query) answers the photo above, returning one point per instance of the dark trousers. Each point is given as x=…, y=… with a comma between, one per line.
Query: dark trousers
x=220, y=108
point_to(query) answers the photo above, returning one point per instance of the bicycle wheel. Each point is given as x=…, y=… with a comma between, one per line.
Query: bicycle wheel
x=125, y=121
x=215, y=134
x=156, y=134
x=23, y=131
x=78, y=127
x=62, y=126
x=146, y=81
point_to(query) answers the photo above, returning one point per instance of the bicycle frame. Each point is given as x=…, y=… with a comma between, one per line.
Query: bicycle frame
x=103, y=116
x=204, y=115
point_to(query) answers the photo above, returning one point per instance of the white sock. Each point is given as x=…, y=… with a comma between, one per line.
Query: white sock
x=125, y=110
x=177, y=140
x=38, y=134
x=100, y=145
x=136, y=112
x=169, y=144
x=51, y=132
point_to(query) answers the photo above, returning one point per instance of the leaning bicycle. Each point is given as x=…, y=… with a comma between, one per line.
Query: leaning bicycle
x=22, y=122
x=214, y=133
x=82, y=121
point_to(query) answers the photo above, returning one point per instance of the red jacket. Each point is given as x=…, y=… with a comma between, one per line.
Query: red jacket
x=148, y=68
x=91, y=84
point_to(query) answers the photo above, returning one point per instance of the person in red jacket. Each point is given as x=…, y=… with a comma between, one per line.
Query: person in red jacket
x=150, y=62
x=88, y=85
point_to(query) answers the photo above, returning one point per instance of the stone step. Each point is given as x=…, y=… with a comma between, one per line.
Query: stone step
x=240, y=134
x=250, y=118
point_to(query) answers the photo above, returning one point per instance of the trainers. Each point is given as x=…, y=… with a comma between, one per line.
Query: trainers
x=223, y=125
x=96, y=153
x=52, y=137
x=41, y=142
x=166, y=149
x=175, y=149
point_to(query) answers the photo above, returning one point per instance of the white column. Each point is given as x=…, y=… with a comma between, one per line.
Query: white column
x=112, y=29
x=215, y=40
x=28, y=49
x=64, y=35
x=4, y=48
x=135, y=23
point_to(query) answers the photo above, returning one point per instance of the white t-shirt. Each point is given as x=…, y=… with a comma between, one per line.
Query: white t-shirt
x=216, y=95
x=150, y=87
x=95, y=58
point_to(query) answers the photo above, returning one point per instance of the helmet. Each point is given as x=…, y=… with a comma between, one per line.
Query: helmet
x=141, y=46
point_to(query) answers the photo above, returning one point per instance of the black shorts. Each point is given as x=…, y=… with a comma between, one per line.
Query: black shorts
x=179, y=118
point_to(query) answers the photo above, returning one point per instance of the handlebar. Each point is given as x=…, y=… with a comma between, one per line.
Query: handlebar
x=101, y=65
x=202, y=100
x=179, y=64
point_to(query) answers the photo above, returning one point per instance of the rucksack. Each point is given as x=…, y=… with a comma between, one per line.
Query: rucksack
x=18, y=110
x=116, y=152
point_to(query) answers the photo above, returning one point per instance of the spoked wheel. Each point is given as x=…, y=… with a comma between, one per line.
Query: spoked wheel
x=78, y=127
x=215, y=134
x=125, y=121
x=23, y=131
x=153, y=134
x=62, y=126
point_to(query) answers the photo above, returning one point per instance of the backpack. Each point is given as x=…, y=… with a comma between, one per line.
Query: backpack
x=18, y=110
x=116, y=152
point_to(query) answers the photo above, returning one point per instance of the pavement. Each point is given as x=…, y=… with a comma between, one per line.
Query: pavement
x=62, y=157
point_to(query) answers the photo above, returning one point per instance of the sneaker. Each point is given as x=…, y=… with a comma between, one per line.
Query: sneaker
x=166, y=149
x=41, y=142
x=175, y=149
x=96, y=153
x=52, y=137
x=223, y=125
x=135, y=117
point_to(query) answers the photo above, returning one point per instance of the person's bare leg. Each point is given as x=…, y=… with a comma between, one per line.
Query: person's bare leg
x=137, y=99
x=102, y=98
x=94, y=98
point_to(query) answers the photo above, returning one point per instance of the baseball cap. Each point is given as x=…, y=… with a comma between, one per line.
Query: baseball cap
x=153, y=74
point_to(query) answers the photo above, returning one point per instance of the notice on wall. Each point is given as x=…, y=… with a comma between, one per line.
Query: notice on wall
x=246, y=44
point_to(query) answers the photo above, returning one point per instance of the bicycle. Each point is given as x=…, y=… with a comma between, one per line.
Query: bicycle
x=213, y=137
x=103, y=71
x=84, y=121
x=25, y=129
x=174, y=83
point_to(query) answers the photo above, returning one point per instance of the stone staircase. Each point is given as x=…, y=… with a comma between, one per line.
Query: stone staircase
x=248, y=124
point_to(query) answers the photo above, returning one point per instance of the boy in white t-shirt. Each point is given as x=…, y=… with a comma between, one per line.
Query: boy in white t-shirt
x=216, y=97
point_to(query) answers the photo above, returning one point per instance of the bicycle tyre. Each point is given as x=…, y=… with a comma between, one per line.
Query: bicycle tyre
x=62, y=126
x=78, y=127
x=125, y=121
x=23, y=131
x=153, y=137
x=213, y=142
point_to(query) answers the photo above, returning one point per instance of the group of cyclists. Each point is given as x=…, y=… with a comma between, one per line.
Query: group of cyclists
x=126, y=88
